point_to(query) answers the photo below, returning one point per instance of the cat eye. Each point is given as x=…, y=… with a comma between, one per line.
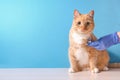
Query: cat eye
x=88, y=23
x=79, y=23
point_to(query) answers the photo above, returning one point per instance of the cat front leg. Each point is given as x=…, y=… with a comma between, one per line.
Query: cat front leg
x=73, y=62
x=93, y=66
x=74, y=65
x=95, y=70
x=74, y=68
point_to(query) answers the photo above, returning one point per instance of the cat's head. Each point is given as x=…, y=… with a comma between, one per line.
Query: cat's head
x=83, y=23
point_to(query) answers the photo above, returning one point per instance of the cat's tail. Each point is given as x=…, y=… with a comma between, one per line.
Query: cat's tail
x=114, y=65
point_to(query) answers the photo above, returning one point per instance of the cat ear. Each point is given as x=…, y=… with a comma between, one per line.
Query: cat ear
x=91, y=13
x=76, y=13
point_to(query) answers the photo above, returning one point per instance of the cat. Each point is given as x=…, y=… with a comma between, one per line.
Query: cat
x=82, y=56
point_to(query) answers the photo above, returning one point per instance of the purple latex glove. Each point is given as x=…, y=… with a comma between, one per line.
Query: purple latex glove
x=105, y=41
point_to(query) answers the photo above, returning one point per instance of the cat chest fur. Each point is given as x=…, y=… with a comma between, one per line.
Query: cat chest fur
x=82, y=56
x=81, y=53
x=79, y=38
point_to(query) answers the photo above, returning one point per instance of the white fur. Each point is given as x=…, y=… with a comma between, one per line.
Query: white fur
x=78, y=38
x=95, y=70
x=82, y=56
x=71, y=70
x=106, y=68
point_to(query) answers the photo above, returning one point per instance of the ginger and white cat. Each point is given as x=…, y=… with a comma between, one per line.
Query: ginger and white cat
x=82, y=56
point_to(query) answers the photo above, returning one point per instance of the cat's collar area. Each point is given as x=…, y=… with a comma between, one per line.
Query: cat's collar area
x=80, y=36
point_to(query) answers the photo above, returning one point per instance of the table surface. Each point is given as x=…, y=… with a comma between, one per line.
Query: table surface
x=56, y=74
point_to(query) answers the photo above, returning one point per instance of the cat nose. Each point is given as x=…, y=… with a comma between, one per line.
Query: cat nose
x=86, y=24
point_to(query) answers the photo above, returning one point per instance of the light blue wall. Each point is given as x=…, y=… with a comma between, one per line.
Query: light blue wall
x=34, y=33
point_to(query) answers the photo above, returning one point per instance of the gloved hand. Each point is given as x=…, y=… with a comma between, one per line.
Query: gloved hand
x=105, y=41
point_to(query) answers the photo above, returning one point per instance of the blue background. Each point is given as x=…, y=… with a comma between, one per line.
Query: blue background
x=34, y=33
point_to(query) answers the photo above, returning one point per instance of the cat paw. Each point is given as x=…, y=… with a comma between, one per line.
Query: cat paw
x=105, y=68
x=71, y=70
x=95, y=70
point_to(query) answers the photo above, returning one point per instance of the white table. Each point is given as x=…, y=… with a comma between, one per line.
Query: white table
x=55, y=74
